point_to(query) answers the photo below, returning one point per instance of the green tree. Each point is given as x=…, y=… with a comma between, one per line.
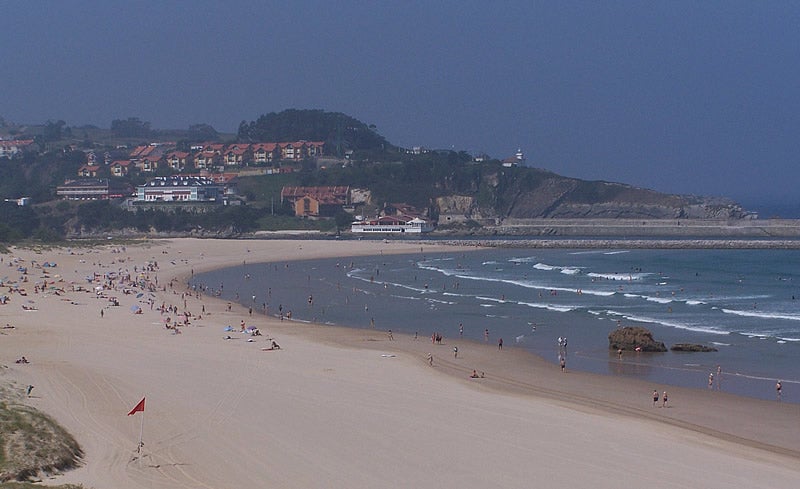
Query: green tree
x=132, y=127
x=53, y=130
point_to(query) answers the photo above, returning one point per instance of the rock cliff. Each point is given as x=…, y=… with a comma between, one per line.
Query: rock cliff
x=527, y=193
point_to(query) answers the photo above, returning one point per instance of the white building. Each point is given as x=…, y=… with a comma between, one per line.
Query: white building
x=180, y=189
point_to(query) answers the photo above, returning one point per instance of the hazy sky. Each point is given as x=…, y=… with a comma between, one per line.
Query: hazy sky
x=678, y=96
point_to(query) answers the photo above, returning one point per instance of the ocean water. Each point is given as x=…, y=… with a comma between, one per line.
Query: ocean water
x=745, y=303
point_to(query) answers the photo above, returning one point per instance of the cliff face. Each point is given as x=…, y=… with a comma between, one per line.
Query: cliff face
x=535, y=194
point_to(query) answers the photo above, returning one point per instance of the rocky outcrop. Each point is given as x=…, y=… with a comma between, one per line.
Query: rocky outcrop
x=533, y=193
x=691, y=347
x=458, y=208
x=634, y=338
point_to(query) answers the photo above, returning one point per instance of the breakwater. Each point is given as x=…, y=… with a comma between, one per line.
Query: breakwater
x=668, y=244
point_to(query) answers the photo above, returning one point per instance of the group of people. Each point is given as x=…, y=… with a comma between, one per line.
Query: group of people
x=664, y=398
x=712, y=381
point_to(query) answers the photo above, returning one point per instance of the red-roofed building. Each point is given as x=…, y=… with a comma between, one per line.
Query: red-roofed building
x=120, y=168
x=238, y=154
x=14, y=147
x=264, y=153
x=292, y=151
x=178, y=160
x=314, y=148
x=149, y=164
x=205, y=160
x=88, y=171
x=217, y=148
x=316, y=201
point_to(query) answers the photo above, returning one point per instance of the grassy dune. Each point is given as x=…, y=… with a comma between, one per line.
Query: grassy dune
x=31, y=444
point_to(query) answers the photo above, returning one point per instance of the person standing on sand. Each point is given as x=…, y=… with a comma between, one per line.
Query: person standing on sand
x=563, y=362
x=455, y=352
x=430, y=359
x=778, y=389
x=500, y=344
x=391, y=338
x=664, y=399
x=711, y=380
x=655, y=397
x=719, y=377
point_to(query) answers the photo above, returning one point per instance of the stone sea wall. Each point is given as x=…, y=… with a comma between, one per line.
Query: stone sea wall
x=677, y=244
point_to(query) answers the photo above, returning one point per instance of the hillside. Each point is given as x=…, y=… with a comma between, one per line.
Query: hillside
x=447, y=185
x=524, y=193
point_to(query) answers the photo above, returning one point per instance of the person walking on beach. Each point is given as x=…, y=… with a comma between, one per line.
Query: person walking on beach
x=486, y=334
x=460, y=330
x=391, y=338
x=430, y=359
x=455, y=352
x=719, y=377
x=778, y=389
x=563, y=362
x=664, y=399
x=500, y=344
x=28, y=390
x=655, y=397
x=711, y=380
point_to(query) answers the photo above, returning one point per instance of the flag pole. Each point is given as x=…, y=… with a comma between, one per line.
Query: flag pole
x=139, y=408
x=141, y=443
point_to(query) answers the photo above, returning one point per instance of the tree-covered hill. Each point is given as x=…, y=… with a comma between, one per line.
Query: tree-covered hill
x=340, y=132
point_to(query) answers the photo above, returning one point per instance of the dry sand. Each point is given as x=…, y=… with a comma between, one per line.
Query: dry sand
x=344, y=408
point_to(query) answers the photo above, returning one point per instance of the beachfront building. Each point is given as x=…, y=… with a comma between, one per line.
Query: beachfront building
x=90, y=189
x=180, y=189
x=392, y=225
x=316, y=201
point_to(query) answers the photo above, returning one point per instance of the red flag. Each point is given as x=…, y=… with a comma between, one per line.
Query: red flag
x=137, y=408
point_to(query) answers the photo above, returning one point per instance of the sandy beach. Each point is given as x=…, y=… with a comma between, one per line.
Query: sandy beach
x=338, y=407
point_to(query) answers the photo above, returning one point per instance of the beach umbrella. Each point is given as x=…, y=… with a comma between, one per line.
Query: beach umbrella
x=139, y=295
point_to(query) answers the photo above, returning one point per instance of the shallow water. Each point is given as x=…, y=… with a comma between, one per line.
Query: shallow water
x=743, y=302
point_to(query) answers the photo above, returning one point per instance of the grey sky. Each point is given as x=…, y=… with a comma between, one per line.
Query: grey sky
x=683, y=97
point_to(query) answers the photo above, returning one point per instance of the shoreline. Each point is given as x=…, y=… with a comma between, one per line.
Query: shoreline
x=514, y=379
x=395, y=306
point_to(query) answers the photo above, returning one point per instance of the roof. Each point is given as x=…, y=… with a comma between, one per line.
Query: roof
x=180, y=181
x=319, y=193
x=86, y=182
x=16, y=143
x=268, y=147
